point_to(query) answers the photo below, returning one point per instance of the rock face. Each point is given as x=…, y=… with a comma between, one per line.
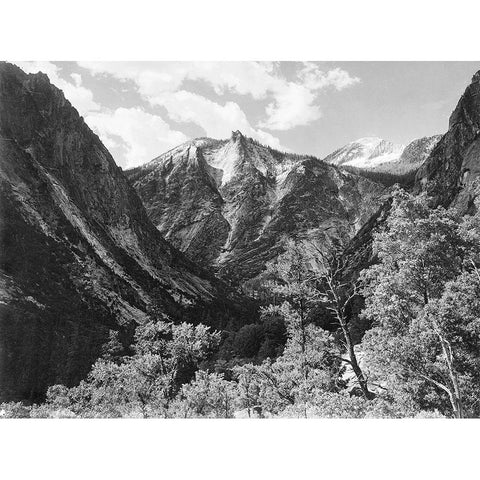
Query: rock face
x=78, y=255
x=450, y=173
x=232, y=204
x=415, y=154
x=376, y=155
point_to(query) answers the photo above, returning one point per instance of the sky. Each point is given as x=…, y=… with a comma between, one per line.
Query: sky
x=142, y=109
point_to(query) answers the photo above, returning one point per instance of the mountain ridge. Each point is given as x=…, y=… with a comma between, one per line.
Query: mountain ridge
x=229, y=201
x=377, y=155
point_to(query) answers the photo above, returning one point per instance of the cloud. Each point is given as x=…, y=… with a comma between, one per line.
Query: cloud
x=156, y=78
x=315, y=79
x=293, y=106
x=217, y=120
x=292, y=102
x=142, y=135
x=295, y=103
x=79, y=96
x=137, y=136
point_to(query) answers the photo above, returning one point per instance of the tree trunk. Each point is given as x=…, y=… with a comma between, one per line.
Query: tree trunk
x=455, y=395
x=362, y=381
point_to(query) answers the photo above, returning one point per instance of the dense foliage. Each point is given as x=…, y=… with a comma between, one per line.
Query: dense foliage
x=420, y=358
x=406, y=179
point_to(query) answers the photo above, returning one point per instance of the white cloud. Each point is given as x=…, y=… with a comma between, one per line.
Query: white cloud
x=315, y=79
x=79, y=96
x=293, y=106
x=217, y=120
x=156, y=78
x=295, y=103
x=144, y=135
x=292, y=103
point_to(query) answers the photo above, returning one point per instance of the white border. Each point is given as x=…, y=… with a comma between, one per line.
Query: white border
x=238, y=449
x=226, y=30
x=241, y=30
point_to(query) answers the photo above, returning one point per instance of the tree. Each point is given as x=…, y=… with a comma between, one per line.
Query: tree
x=291, y=282
x=248, y=389
x=308, y=366
x=208, y=395
x=248, y=340
x=144, y=384
x=337, y=292
x=420, y=348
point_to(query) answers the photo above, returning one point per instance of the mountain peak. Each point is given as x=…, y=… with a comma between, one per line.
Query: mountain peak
x=237, y=134
x=367, y=140
x=366, y=152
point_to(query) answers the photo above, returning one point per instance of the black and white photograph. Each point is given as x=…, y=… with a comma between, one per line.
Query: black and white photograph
x=170, y=250
x=250, y=240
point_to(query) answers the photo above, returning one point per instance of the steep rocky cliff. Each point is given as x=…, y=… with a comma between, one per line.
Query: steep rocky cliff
x=232, y=204
x=78, y=255
x=450, y=173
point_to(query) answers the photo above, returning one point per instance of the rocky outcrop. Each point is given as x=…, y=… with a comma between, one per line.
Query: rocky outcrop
x=450, y=173
x=415, y=154
x=78, y=255
x=232, y=204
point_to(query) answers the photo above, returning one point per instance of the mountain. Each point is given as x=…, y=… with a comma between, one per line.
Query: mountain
x=78, y=255
x=366, y=153
x=376, y=155
x=415, y=154
x=232, y=204
x=450, y=174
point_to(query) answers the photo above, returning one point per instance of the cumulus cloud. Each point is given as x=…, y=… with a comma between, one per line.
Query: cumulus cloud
x=293, y=106
x=292, y=102
x=216, y=119
x=143, y=135
x=295, y=103
x=139, y=135
x=156, y=78
x=315, y=79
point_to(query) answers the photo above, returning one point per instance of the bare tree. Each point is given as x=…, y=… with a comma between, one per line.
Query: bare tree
x=337, y=292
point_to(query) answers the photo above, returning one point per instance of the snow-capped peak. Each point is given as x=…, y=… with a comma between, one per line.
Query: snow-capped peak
x=366, y=152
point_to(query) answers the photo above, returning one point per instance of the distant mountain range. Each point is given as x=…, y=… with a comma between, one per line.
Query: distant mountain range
x=377, y=155
x=232, y=204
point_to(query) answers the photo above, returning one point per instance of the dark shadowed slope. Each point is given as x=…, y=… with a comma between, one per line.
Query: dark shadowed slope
x=78, y=254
